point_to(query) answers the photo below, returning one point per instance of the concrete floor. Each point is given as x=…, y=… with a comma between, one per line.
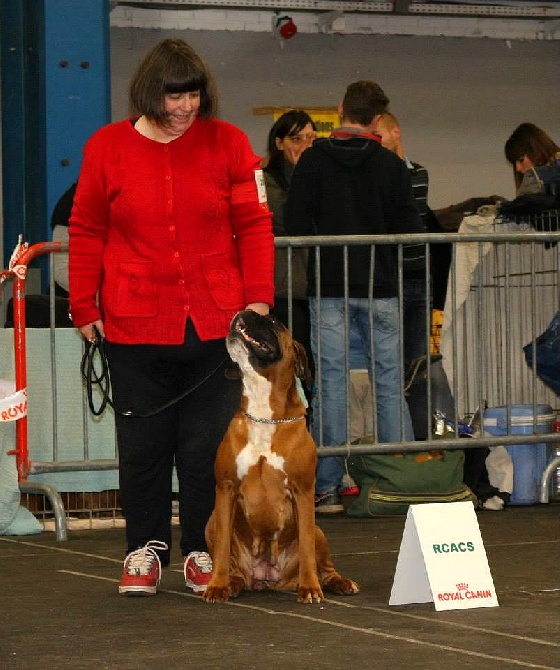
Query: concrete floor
x=60, y=608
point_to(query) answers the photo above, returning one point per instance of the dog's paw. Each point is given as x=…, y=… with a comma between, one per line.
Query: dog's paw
x=341, y=586
x=220, y=593
x=216, y=594
x=307, y=595
x=236, y=585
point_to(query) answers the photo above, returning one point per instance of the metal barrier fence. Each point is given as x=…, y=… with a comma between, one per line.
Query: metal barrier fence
x=502, y=292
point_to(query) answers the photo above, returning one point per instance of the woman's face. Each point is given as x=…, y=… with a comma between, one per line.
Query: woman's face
x=296, y=142
x=181, y=110
x=523, y=164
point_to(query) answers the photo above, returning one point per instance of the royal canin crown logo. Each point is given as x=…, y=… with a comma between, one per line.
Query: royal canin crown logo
x=462, y=586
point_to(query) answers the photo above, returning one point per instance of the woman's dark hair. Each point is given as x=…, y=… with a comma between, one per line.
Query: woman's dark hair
x=529, y=140
x=172, y=66
x=290, y=123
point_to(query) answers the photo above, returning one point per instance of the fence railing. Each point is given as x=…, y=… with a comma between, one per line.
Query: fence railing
x=502, y=291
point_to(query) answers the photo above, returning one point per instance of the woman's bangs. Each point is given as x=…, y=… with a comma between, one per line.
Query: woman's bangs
x=296, y=128
x=514, y=152
x=184, y=82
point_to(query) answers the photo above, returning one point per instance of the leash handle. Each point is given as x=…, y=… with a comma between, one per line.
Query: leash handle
x=103, y=381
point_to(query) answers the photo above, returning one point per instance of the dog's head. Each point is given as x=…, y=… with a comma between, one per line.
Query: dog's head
x=261, y=343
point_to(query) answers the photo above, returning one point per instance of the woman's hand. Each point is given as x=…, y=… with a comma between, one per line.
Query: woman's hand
x=259, y=307
x=88, y=332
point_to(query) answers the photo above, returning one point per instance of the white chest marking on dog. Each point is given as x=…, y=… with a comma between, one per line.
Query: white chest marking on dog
x=257, y=390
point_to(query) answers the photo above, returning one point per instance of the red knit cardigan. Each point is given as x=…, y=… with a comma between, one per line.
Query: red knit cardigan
x=160, y=233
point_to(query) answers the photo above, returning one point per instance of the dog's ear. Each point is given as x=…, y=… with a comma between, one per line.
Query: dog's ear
x=302, y=364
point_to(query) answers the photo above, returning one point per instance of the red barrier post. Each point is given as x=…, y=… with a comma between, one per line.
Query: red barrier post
x=18, y=272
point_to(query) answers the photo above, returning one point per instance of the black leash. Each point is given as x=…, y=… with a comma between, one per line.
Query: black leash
x=94, y=369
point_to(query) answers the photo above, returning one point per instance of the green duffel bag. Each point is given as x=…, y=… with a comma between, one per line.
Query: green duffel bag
x=389, y=483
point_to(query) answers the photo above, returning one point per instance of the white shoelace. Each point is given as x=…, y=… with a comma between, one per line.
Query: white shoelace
x=202, y=560
x=140, y=561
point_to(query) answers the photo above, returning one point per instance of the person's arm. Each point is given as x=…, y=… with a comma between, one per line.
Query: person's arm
x=252, y=225
x=407, y=211
x=420, y=184
x=276, y=197
x=89, y=223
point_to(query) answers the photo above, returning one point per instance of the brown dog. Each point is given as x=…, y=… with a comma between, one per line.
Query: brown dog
x=262, y=532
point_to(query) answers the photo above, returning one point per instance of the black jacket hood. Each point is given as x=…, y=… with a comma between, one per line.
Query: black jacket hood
x=349, y=152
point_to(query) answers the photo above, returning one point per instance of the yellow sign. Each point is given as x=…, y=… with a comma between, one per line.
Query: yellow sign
x=326, y=119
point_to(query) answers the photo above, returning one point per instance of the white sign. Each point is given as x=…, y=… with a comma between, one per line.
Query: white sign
x=13, y=404
x=442, y=559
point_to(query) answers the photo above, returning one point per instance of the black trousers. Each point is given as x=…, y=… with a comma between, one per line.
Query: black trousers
x=187, y=434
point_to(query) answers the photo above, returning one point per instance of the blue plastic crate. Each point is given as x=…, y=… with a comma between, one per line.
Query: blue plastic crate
x=529, y=460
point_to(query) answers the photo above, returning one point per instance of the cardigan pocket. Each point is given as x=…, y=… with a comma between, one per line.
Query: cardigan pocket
x=136, y=293
x=224, y=281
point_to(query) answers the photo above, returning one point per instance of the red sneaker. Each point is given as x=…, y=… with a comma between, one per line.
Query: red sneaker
x=142, y=570
x=198, y=571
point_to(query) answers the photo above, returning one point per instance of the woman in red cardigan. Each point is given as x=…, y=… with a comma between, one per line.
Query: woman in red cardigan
x=170, y=236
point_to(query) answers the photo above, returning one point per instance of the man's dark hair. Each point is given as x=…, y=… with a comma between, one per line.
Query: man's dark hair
x=362, y=101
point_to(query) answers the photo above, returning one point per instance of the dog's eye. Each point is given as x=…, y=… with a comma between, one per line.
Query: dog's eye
x=274, y=320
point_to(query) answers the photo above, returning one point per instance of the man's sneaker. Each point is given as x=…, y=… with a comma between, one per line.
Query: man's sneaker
x=142, y=570
x=328, y=503
x=198, y=571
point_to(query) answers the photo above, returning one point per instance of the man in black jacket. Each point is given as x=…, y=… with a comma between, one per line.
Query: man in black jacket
x=348, y=184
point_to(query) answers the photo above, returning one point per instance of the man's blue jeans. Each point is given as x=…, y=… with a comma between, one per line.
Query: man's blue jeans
x=392, y=411
x=414, y=326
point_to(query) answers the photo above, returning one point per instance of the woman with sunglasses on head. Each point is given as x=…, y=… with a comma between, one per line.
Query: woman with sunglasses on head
x=292, y=133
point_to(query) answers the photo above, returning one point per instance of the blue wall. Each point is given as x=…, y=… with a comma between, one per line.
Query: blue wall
x=55, y=93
